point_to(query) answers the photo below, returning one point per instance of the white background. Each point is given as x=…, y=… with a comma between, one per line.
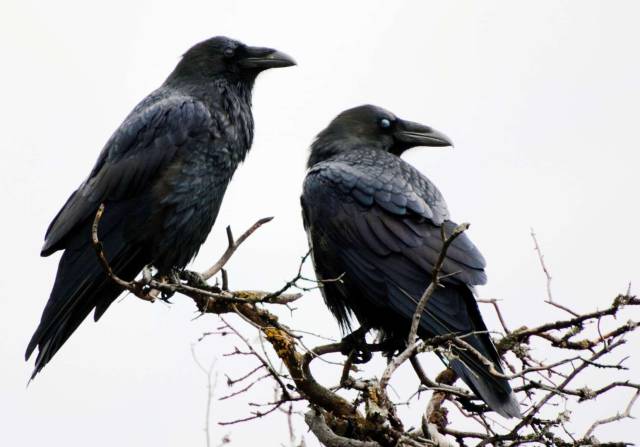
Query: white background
x=541, y=99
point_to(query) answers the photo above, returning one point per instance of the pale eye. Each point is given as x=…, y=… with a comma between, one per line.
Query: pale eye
x=228, y=52
x=385, y=123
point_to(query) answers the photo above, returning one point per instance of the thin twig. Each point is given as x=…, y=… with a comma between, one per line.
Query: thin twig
x=435, y=281
x=265, y=363
x=617, y=417
x=494, y=303
x=131, y=286
x=549, y=299
x=233, y=245
x=211, y=385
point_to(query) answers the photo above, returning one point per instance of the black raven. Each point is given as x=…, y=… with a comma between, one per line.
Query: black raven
x=375, y=222
x=162, y=176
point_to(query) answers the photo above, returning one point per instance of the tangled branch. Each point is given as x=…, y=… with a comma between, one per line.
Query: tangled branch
x=577, y=344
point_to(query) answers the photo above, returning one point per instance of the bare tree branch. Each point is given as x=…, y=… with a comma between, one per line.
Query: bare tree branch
x=371, y=419
x=327, y=437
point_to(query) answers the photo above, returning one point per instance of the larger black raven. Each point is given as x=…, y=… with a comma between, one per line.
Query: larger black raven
x=162, y=177
x=375, y=222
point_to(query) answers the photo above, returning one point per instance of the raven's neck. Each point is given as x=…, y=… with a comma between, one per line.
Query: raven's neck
x=237, y=88
x=322, y=150
x=228, y=100
x=209, y=88
x=329, y=145
x=235, y=100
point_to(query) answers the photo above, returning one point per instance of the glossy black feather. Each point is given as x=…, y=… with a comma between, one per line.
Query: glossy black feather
x=162, y=177
x=376, y=222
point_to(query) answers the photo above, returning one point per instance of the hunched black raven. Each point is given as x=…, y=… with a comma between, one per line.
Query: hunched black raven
x=375, y=222
x=162, y=176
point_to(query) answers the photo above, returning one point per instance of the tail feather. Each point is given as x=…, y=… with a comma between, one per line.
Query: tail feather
x=495, y=395
x=454, y=309
x=81, y=285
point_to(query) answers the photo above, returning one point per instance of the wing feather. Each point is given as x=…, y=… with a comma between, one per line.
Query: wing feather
x=146, y=142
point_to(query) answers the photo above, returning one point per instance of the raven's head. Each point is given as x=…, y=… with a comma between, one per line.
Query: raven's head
x=373, y=127
x=224, y=57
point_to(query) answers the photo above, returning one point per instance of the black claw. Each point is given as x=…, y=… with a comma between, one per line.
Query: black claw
x=355, y=346
x=165, y=296
x=361, y=356
x=471, y=406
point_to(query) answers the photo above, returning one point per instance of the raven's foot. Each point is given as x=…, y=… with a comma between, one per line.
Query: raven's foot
x=165, y=295
x=169, y=279
x=144, y=285
x=194, y=279
x=355, y=345
x=471, y=406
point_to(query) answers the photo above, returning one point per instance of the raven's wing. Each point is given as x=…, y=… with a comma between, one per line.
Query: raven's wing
x=382, y=229
x=139, y=150
x=143, y=144
x=396, y=214
x=387, y=225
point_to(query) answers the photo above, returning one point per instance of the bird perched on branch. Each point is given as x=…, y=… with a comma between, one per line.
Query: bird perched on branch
x=376, y=223
x=161, y=176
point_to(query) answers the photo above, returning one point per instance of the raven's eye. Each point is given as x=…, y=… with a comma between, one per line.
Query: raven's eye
x=385, y=123
x=228, y=53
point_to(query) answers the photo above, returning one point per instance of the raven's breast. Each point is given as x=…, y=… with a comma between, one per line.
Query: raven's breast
x=187, y=200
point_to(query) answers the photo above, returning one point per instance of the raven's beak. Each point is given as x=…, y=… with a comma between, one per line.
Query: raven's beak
x=264, y=58
x=414, y=134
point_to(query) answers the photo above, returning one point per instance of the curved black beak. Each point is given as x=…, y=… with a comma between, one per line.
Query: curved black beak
x=411, y=134
x=263, y=58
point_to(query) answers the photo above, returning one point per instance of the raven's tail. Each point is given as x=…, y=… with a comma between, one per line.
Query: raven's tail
x=81, y=285
x=495, y=392
x=454, y=309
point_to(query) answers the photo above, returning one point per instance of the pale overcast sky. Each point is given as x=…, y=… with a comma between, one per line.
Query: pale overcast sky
x=541, y=99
